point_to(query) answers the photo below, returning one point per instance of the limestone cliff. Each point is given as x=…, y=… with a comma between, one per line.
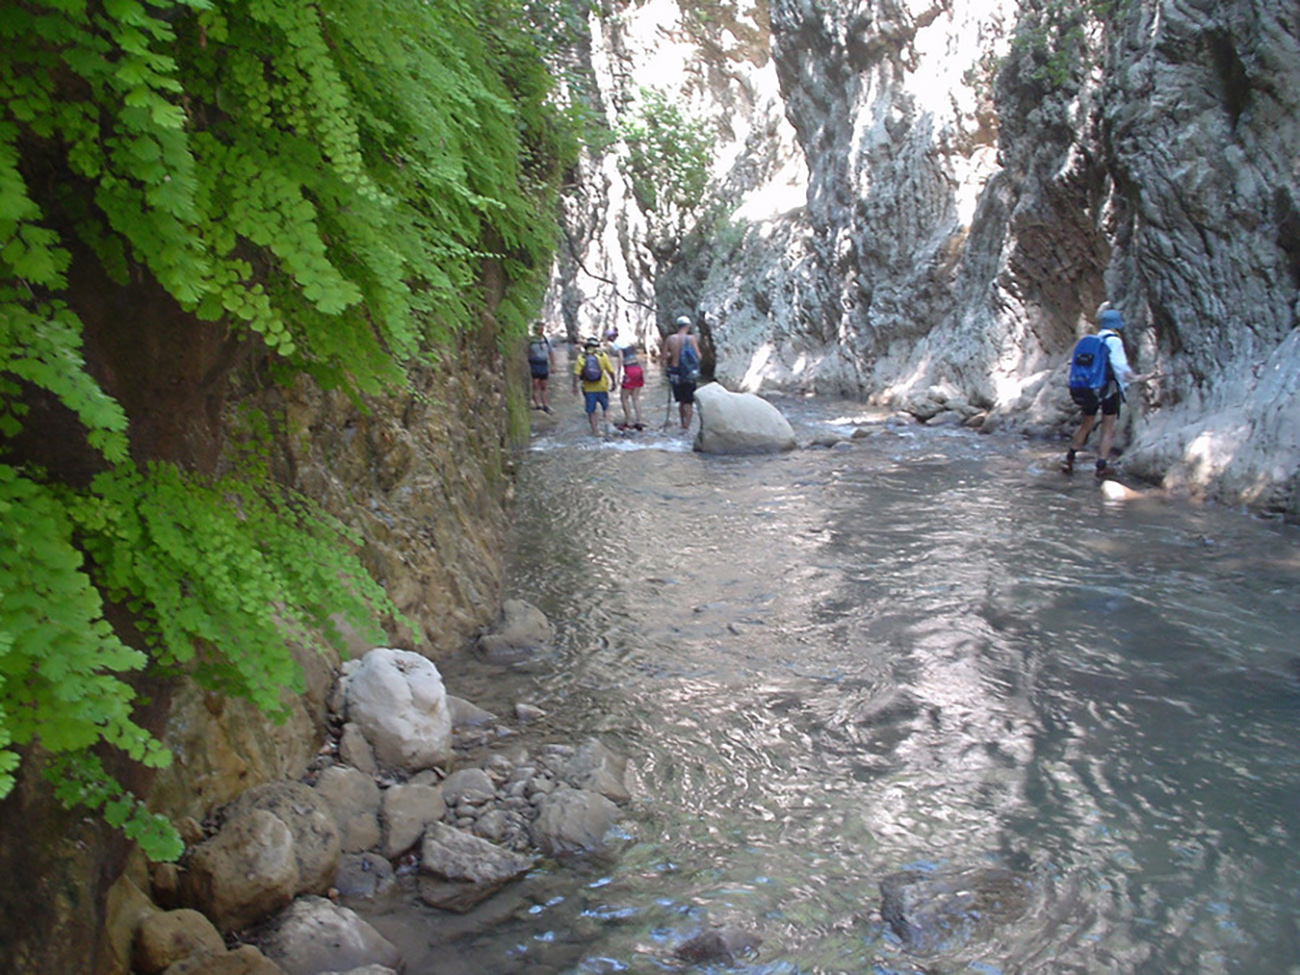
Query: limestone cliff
x=924, y=203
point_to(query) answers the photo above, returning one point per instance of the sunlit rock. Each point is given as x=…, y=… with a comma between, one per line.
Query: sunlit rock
x=398, y=701
x=739, y=423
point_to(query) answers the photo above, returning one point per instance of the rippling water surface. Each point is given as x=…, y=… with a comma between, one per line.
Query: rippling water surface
x=924, y=649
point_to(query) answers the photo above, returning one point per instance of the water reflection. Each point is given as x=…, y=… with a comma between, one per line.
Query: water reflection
x=926, y=650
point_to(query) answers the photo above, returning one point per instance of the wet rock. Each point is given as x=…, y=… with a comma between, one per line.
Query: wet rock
x=364, y=877
x=719, y=946
x=522, y=631
x=246, y=871
x=353, y=798
x=941, y=910
x=244, y=960
x=465, y=714
x=739, y=423
x=315, y=834
x=458, y=870
x=398, y=701
x=572, y=821
x=315, y=935
x=597, y=769
x=167, y=937
x=405, y=812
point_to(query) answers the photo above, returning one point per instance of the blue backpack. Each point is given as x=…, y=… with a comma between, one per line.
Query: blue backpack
x=688, y=364
x=1090, y=363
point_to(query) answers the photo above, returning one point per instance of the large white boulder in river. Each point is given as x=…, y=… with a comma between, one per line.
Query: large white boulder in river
x=739, y=423
x=398, y=700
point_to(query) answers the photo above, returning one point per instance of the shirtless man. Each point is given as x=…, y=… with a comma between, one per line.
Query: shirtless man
x=683, y=386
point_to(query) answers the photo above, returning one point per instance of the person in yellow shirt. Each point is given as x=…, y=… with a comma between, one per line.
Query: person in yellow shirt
x=593, y=370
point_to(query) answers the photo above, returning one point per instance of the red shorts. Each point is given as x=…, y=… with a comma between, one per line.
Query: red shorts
x=633, y=377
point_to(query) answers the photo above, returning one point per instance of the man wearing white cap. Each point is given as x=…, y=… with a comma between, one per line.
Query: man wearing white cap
x=681, y=357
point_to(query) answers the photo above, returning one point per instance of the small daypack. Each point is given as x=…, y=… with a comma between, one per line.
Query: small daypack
x=591, y=371
x=688, y=363
x=1090, y=363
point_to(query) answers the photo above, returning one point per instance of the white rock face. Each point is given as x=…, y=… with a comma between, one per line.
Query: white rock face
x=911, y=200
x=739, y=423
x=398, y=701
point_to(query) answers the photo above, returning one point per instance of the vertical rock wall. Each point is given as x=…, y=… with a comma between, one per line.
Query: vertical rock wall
x=921, y=202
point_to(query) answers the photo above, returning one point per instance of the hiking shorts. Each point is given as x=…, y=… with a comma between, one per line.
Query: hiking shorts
x=684, y=392
x=540, y=370
x=1088, y=401
x=593, y=400
x=633, y=377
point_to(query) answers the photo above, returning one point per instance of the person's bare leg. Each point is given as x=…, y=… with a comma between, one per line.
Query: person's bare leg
x=636, y=406
x=1081, y=434
x=626, y=397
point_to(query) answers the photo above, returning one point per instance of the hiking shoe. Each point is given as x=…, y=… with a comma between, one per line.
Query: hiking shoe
x=1067, y=465
x=546, y=409
x=1102, y=468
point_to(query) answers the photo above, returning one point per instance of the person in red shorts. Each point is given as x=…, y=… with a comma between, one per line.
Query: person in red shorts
x=631, y=378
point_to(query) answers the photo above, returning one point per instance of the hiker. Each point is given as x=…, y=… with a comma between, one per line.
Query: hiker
x=1099, y=375
x=630, y=377
x=593, y=370
x=541, y=360
x=681, y=357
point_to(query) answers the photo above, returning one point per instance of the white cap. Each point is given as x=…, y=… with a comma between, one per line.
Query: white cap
x=683, y=320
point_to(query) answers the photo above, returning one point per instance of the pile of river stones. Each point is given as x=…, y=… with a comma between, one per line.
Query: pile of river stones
x=265, y=885
x=272, y=872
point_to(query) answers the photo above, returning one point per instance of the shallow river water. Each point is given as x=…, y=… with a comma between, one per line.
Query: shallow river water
x=927, y=649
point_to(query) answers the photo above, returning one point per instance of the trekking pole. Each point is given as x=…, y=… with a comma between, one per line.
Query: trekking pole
x=668, y=406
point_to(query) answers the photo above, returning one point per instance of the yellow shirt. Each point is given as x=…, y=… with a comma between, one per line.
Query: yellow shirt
x=601, y=385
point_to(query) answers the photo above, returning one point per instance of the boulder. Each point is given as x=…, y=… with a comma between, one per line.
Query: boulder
x=167, y=937
x=719, y=946
x=354, y=750
x=405, y=812
x=244, y=960
x=315, y=935
x=398, y=701
x=571, y=821
x=472, y=785
x=315, y=834
x=933, y=911
x=244, y=872
x=739, y=423
x=364, y=878
x=458, y=871
x=523, y=630
x=597, y=769
x=353, y=798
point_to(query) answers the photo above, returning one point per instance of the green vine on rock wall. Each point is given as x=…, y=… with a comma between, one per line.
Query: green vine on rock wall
x=323, y=180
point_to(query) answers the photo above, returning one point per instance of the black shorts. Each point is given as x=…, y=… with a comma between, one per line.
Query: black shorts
x=1088, y=400
x=683, y=392
x=540, y=370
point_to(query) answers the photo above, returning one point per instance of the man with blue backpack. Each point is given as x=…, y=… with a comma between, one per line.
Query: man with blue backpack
x=1099, y=375
x=681, y=358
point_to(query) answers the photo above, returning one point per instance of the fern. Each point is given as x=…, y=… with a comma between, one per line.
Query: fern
x=325, y=180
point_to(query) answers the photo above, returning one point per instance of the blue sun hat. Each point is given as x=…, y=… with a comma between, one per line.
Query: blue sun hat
x=1112, y=319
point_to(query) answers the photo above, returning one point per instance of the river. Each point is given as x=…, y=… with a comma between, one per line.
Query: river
x=923, y=648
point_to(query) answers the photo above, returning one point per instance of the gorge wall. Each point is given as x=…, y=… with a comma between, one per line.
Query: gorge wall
x=923, y=204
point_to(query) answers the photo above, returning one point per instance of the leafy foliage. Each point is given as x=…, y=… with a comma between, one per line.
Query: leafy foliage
x=669, y=156
x=325, y=179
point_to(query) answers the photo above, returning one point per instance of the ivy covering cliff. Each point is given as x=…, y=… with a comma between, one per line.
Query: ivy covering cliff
x=195, y=185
